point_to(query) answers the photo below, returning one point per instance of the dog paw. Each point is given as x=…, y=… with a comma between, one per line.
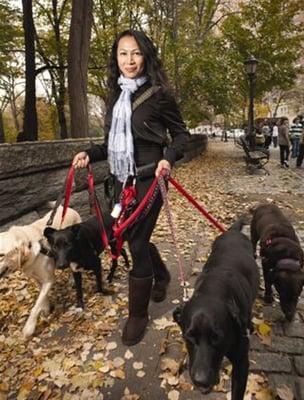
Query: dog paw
x=28, y=330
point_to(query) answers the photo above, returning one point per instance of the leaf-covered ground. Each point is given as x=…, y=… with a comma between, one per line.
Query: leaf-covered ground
x=78, y=355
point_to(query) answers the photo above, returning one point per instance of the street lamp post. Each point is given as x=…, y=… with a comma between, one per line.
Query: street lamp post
x=251, y=66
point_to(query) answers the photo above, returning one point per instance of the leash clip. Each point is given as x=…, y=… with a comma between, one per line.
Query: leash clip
x=185, y=292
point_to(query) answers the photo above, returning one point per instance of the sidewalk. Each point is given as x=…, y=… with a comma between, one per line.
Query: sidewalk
x=80, y=356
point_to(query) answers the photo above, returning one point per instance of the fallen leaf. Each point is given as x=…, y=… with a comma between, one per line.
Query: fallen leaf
x=169, y=364
x=138, y=365
x=111, y=346
x=173, y=395
x=128, y=355
x=264, y=329
x=163, y=323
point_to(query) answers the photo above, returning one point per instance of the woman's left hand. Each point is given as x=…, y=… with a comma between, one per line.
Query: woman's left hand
x=163, y=164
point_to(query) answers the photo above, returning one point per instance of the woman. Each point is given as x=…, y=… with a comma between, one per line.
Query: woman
x=284, y=142
x=135, y=139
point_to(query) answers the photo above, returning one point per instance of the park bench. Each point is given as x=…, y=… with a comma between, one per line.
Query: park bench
x=255, y=159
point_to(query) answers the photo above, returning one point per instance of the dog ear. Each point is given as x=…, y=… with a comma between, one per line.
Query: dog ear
x=177, y=313
x=49, y=233
x=236, y=314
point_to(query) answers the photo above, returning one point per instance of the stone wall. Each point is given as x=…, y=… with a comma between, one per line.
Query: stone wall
x=33, y=173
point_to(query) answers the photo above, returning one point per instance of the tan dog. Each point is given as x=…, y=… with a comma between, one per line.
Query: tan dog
x=20, y=249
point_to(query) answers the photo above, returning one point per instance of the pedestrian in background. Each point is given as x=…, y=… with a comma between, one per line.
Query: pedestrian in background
x=267, y=135
x=295, y=135
x=301, y=150
x=284, y=142
x=275, y=133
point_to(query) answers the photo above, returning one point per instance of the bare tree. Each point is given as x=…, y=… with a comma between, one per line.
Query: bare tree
x=3, y=103
x=55, y=68
x=78, y=56
x=30, y=127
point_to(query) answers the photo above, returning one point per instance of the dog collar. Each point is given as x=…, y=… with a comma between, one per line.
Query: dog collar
x=288, y=264
x=46, y=251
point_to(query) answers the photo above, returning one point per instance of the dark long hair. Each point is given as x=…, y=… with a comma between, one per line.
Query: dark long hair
x=153, y=68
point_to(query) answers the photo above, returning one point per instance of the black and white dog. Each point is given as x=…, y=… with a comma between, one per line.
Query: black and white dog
x=217, y=319
x=79, y=247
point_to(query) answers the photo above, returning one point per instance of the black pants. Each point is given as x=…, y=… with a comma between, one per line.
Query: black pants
x=284, y=153
x=267, y=141
x=301, y=155
x=138, y=236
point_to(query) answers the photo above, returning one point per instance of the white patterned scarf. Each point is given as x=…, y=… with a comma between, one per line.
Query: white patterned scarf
x=120, y=143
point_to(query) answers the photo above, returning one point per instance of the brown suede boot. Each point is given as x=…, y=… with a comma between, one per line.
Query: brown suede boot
x=139, y=296
x=161, y=275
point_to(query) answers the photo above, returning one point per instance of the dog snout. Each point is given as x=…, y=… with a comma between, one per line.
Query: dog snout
x=61, y=264
x=203, y=381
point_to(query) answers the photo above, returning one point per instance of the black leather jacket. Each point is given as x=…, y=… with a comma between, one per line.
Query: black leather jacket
x=157, y=126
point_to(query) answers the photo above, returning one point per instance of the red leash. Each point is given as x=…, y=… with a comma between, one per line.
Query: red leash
x=195, y=203
x=68, y=191
x=96, y=205
x=120, y=226
x=93, y=201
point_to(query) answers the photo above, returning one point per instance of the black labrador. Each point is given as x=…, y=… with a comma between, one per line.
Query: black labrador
x=216, y=321
x=281, y=255
x=79, y=246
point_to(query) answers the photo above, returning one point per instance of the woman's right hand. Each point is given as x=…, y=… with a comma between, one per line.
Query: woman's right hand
x=81, y=160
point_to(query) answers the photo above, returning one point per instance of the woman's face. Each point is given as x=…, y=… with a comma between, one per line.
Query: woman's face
x=129, y=57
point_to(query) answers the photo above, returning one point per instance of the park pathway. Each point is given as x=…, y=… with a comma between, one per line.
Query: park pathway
x=79, y=355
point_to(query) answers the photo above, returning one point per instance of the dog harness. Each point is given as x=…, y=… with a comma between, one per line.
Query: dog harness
x=288, y=264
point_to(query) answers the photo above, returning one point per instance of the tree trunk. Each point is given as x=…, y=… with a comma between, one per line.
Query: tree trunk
x=2, y=135
x=14, y=110
x=78, y=56
x=175, y=23
x=60, y=100
x=30, y=128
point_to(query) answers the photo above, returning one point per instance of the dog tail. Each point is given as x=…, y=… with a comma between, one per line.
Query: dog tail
x=239, y=223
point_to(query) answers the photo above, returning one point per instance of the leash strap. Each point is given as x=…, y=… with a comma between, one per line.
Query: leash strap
x=198, y=206
x=163, y=190
x=57, y=203
x=68, y=192
x=94, y=203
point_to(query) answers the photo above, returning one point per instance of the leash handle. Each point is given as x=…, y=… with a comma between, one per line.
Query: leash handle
x=161, y=182
x=119, y=228
x=67, y=188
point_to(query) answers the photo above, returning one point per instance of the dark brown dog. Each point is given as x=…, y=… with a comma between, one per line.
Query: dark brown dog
x=281, y=254
x=216, y=321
